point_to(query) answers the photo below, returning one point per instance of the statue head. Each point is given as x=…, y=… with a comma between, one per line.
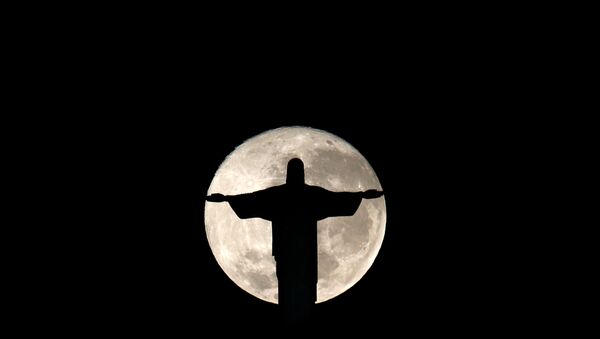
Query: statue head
x=295, y=172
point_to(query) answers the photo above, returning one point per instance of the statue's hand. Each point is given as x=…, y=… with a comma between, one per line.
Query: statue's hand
x=372, y=194
x=216, y=197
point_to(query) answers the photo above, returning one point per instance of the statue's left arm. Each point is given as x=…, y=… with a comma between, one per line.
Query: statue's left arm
x=343, y=204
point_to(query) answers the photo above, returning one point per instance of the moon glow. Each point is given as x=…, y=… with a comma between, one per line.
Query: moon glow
x=347, y=245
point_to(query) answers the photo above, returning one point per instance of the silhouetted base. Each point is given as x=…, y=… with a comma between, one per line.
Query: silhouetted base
x=296, y=308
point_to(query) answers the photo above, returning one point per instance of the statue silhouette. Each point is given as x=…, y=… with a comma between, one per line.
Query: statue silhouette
x=294, y=209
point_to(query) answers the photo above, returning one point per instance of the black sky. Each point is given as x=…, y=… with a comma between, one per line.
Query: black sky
x=440, y=140
x=134, y=123
x=441, y=261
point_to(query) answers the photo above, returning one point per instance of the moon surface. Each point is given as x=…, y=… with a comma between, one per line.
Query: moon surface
x=347, y=245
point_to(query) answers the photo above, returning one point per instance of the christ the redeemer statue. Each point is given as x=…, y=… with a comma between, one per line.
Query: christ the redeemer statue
x=294, y=209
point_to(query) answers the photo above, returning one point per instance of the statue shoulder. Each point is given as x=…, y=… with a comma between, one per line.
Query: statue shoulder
x=317, y=190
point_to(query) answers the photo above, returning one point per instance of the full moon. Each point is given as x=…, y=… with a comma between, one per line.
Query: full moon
x=347, y=245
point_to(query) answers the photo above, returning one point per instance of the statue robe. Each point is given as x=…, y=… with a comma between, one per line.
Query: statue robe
x=294, y=212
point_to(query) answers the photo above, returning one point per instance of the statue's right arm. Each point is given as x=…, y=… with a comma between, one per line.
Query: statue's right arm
x=257, y=204
x=217, y=197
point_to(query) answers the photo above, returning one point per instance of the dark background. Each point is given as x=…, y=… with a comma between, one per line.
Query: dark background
x=448, y=260
x=122, y=116
x=154, y=120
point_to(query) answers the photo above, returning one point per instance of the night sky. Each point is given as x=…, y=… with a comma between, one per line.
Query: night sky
x=440, y=265
x=451, y=253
